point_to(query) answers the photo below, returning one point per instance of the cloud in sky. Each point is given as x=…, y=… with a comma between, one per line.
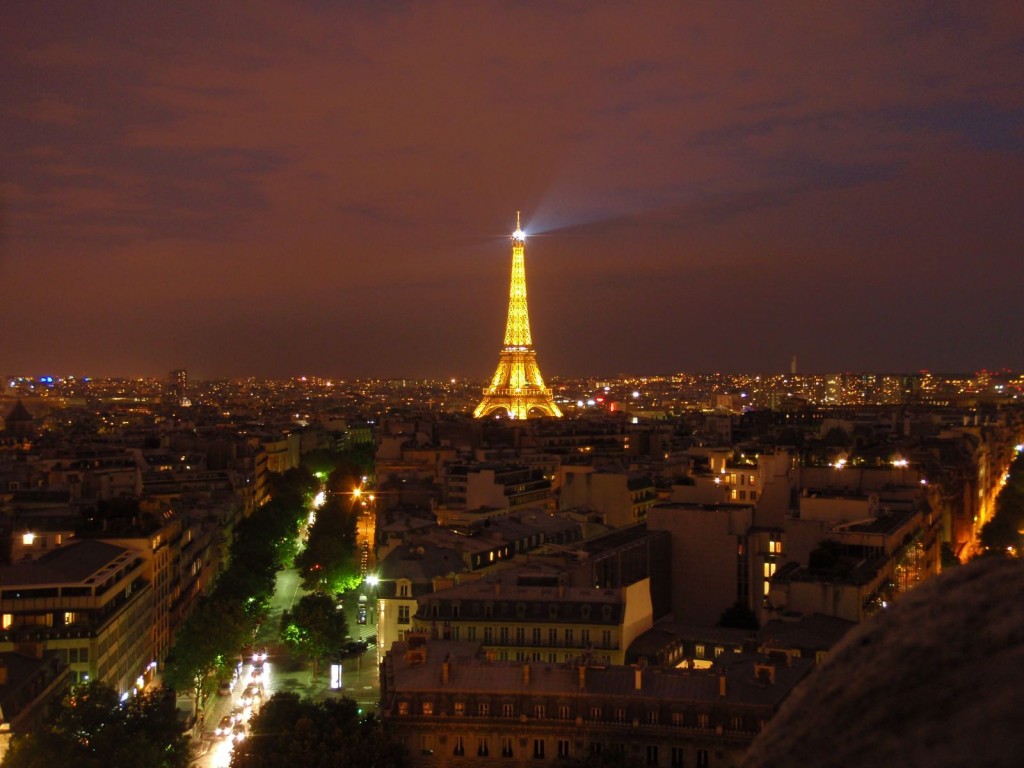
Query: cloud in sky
x=277, y=188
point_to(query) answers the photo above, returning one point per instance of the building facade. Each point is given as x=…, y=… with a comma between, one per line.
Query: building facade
x=452, y=706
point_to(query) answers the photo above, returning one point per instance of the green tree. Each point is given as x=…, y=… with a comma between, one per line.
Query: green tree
x=289, y=731
x=329, y=555
x=1001, y=535
x=314, y=629
x=205, y=649
x=94, y=729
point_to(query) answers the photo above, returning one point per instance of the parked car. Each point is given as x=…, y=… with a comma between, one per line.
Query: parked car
x=355, y=646
x=238, y=732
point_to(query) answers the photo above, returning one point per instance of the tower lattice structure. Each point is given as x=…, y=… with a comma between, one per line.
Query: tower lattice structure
x=517, y=386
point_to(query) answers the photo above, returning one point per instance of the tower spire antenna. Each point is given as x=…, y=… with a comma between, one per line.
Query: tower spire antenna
x=517, y=220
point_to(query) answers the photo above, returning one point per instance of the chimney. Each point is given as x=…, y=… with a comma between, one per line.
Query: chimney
x=765, y=674
x=583, y=678
x=638, y=678
x=721, y=684
x=526, y=674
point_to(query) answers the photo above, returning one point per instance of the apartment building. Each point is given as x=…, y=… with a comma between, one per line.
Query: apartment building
x=88, y=600
x=529, y=614
x=452, y=705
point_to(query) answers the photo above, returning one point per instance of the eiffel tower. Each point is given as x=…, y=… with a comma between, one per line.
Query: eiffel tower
x=517, y=386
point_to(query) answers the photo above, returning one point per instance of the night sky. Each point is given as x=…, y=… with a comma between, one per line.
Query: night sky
x=328, y=188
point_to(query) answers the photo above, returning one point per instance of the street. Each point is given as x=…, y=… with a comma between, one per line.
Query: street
x=282, y=673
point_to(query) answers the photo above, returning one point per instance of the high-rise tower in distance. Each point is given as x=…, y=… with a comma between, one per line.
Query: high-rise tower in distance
x=517, y=386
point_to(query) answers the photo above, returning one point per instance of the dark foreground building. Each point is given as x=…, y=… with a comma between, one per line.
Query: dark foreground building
x=453, y=706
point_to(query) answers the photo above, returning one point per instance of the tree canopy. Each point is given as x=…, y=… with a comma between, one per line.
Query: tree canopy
x=314, y=629
x=94, y=729
x=329, y=554
x=289, y=731
x=206, y=647
x=1001, y=534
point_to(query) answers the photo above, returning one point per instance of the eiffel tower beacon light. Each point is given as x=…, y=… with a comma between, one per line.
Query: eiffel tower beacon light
x=517, y=386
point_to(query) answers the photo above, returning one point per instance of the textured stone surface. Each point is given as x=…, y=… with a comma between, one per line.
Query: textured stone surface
x=937, y=680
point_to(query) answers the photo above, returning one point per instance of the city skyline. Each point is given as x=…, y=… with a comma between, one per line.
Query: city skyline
x=328, y=189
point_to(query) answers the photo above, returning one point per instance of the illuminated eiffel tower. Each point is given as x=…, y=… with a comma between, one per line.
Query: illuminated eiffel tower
x=517, y=386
